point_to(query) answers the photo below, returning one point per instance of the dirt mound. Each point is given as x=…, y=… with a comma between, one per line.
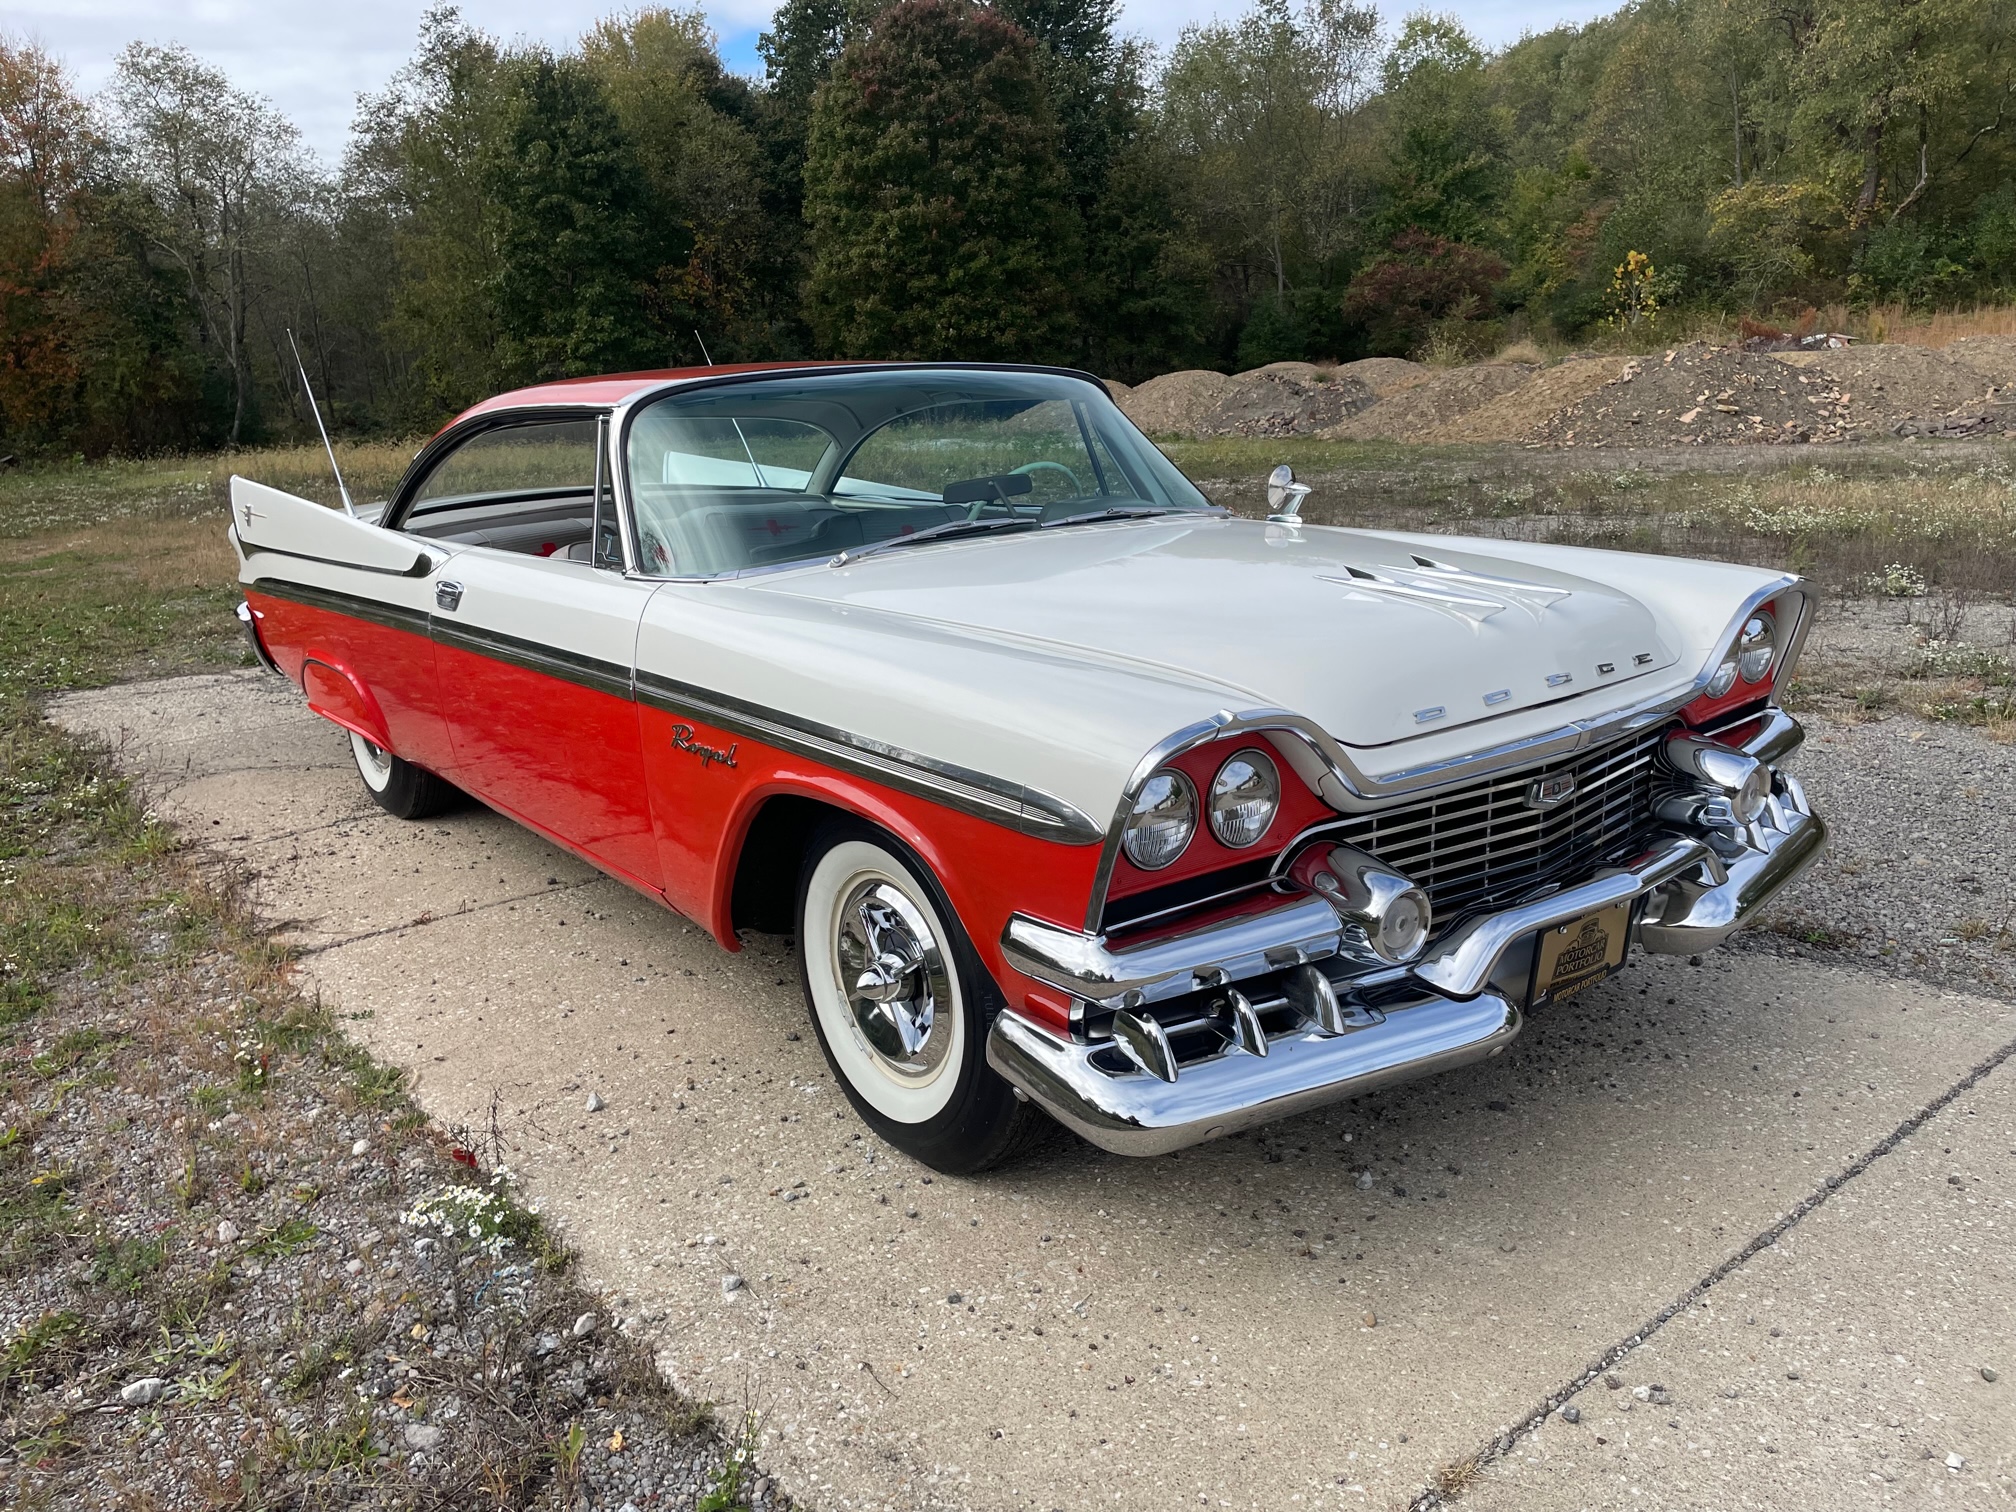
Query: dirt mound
x=1906, y=390
x=1514, y=413
x=1706, y=396
x=1993, y=357
x=1417, y=412
x=1173, y=404
x=1271, y=402
x=1118, y=390
x=1385, y=374
x=1301, y=372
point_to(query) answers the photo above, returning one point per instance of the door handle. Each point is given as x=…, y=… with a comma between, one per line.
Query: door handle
x=447, y=595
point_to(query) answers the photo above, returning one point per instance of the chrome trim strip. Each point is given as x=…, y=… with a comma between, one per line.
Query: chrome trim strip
x=1136, y=1113
x=592, y=672
x=259, y=651
x=1780, y=737
x=422, y=563
x=372, y=611
x=1465, y=959
x=1532, y=750
x=986, y=797
x=1298, y=929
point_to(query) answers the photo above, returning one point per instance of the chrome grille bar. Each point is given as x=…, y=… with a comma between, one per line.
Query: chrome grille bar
x=1483, y=846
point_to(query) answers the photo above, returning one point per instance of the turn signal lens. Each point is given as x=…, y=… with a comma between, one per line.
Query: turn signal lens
x=1756, y=647
x=1162, y=822
x=1244, y=797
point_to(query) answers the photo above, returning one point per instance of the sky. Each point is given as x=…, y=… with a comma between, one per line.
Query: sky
x=312, y=58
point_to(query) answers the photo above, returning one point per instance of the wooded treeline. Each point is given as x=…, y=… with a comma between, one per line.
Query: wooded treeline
x=1012, y=180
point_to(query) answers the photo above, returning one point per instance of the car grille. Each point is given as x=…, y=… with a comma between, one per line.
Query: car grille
x=1484, y=847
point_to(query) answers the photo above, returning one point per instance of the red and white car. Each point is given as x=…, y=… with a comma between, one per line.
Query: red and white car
x=1079, y=794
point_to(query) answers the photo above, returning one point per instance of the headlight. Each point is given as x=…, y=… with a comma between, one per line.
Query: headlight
x=1756, y=647
x=1163, y=820
x=1724, y=678
x=1244, y=796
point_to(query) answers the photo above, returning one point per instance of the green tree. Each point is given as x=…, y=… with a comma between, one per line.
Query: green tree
x=727, y=267
x=575, y=245
x=1447, y=171
x=938, y=202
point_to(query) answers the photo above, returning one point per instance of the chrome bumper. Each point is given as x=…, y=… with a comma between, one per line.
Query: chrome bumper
x=1266, y=1054
x=260, y=654
x=1092, y=1089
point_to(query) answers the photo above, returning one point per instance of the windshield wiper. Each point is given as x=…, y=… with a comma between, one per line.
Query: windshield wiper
x=947, y=531
x=1127, y=512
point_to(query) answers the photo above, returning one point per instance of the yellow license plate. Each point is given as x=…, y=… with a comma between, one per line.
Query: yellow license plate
x=1580, y=953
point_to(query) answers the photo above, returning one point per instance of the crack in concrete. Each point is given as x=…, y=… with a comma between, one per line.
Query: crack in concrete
x=1459, y=1474
x=460, y=913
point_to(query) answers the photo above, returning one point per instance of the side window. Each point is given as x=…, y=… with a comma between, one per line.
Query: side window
x=541, y=457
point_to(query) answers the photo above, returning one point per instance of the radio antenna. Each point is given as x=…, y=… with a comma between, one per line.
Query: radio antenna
x=703, y=346
x=316, y=410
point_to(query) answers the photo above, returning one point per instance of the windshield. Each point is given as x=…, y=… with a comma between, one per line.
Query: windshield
x=780, y=470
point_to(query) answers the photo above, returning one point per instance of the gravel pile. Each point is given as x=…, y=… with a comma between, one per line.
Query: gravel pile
x=1700, y=395
x=1175, y=403
x=1422, y=410
x=1385, y=375
x=1907, y=390
x=1513, y=415
x=1275, y=403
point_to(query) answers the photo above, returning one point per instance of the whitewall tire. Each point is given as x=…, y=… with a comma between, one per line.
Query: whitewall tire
x=399, y=787
x=900, y=1002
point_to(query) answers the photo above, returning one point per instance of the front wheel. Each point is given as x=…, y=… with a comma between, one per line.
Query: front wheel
x=901, y=1003
x=402, y=789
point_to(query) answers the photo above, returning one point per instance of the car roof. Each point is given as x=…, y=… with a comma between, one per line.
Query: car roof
x=613, y=389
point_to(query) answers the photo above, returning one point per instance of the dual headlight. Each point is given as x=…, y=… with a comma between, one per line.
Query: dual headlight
x=1751, y=658
x=1245, y=795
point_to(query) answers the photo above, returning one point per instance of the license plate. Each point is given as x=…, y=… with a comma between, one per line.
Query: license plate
x=1579, y=954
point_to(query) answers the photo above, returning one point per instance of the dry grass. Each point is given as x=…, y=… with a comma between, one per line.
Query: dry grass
x=1901, y=326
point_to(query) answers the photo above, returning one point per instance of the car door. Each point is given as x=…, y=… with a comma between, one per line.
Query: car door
x=342, y=608
x=535, y=650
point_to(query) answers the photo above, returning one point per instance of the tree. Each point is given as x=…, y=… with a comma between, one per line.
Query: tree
x=726, y=267
x=934, y=187
x=1447, y=171
x=575, y=247
x=217, y=166
x=415, y=179
x=1423, y=281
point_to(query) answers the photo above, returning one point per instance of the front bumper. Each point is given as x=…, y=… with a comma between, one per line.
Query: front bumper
x=1268, y=1013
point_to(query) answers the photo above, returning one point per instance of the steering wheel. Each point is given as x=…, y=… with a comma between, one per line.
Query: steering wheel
x=1077, y=488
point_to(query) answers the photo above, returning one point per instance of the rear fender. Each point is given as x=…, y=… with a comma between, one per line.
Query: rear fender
x=340, y=696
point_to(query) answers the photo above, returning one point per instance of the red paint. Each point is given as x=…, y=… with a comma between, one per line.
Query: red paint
x=397, y=666
x=988, y=871
x=555, y=755
x=337, y=695
x=566, y=762
x=1300, y=808
x=1705, y=710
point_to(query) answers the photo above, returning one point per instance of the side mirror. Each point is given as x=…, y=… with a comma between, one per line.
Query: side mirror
x=1285, y=496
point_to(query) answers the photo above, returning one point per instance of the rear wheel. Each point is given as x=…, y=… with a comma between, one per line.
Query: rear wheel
x=901, y=1003
x=401, y=788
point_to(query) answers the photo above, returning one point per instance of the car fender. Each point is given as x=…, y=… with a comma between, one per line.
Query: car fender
x=341, y=697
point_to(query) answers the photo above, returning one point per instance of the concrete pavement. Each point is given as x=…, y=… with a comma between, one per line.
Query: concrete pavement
x=1238, y=1325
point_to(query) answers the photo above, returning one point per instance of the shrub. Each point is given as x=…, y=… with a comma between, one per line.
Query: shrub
x=1423, y=282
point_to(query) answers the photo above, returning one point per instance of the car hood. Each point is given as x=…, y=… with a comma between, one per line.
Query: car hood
x=1376, y=638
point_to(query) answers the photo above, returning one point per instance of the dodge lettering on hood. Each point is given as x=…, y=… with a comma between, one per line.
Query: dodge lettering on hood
x=1082, y=797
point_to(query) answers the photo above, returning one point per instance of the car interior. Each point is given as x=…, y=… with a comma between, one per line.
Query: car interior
x=748, y=475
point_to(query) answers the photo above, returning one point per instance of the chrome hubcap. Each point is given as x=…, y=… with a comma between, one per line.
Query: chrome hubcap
x=372, y=759
x=893, y=971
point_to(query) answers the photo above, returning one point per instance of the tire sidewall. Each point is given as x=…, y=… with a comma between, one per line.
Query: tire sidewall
x=975, y=1123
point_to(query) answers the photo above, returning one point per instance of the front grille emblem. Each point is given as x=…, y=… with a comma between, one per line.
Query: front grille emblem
x=1550, y=792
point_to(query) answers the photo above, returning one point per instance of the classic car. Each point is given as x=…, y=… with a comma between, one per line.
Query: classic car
x=1082, y=796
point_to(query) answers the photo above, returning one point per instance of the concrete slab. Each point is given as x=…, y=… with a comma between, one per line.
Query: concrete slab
x=1842, y=1368
x=1239, y=1325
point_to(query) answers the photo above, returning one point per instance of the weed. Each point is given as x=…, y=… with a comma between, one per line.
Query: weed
x=727, y=1493
x=123, y=1265
x=285, y=1237
x=210, y=1100
x=317, y=1363
x=30, y=1350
